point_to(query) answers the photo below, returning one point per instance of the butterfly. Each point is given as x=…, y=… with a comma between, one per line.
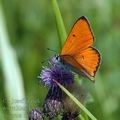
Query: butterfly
x=78, y=51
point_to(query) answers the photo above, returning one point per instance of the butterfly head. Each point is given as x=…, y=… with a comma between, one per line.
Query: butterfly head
x=55, y=59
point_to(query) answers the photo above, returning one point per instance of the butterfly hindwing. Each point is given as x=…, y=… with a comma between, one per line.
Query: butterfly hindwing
x=89, y=59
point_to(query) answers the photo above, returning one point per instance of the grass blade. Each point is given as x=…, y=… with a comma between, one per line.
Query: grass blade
x=84, y=109
x=13, y=82
x=60, y=24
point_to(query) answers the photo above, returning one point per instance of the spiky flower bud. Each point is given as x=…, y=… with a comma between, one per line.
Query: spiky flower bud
x=53, y=105
x=36, y=114
x=71, y=109
x=52, y=108
x=70, y=116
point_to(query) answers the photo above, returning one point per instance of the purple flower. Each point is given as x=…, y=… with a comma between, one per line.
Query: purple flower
x=53, y=104
x=52, y=108
x=58, y=72
x=36, y=114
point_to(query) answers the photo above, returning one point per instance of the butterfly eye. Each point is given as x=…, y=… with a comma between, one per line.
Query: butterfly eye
x=57, y=58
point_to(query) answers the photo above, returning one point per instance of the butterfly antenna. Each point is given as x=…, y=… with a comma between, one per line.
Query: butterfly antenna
x=44, y=61
x=48, y=59
x=51, y=50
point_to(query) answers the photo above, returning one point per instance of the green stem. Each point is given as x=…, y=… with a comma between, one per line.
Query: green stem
x=60, y=24
x=84, y=109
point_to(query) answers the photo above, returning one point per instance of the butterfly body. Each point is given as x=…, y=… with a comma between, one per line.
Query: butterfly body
x=57, y=60
x=77, y=52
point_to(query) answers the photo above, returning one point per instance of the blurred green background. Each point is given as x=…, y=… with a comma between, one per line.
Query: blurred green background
x=31, y=28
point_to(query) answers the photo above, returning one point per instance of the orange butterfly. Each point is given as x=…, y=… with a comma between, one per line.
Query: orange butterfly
x=78, y=51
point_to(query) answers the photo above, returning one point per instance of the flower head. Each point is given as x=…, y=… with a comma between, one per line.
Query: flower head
x=53, y=104
x=58, y=72
x=52, y=108
x=36, y=114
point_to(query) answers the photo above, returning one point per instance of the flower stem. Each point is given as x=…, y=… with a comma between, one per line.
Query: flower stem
x=60, y=24
x=84, y=109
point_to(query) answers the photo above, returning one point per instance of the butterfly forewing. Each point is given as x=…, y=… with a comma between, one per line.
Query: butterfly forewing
x=80, y=37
